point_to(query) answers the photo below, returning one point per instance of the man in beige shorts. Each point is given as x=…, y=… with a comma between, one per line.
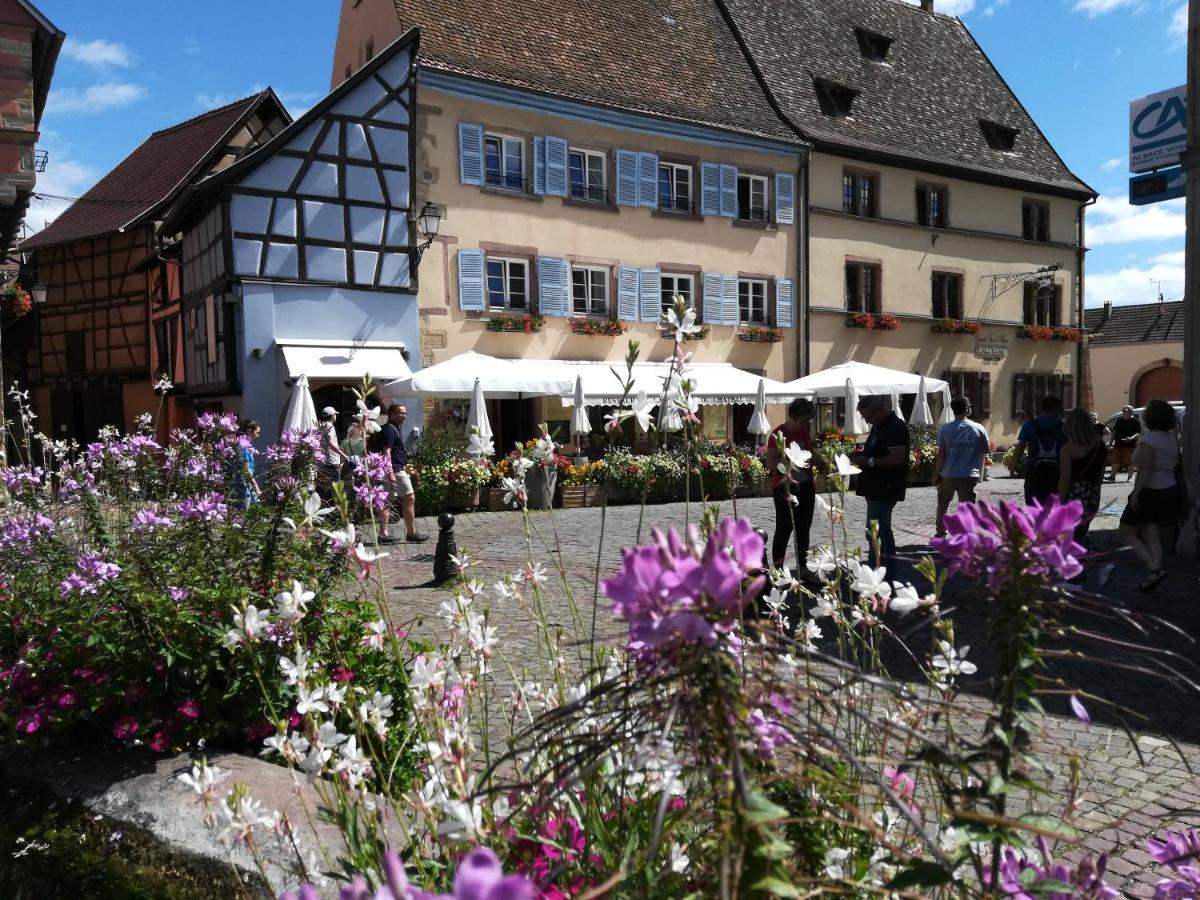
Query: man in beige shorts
x=392, y=438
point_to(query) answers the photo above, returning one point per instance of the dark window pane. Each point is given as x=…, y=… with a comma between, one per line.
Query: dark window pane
x=575, y=167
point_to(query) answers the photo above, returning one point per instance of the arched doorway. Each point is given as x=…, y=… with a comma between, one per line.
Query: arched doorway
x=1160, y=383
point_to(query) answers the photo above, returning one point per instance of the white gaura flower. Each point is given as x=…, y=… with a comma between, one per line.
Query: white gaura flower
x=679, y=859
x=464, y=819
x=834, y=514
x=423, y=675
x=683, y=326
x=369, y=416
x=163, y=385
x=794, y=457
x=376, y=634
x=203, y=778
x=845, y=468
x=953, y=662
x=641, y=411
x=343, y=538
x=313, y=513
x=481, y=636
x=290, y=606
x=826, y=606
x=521, y=465
x=366, y=558
x=514, y=491
x=247, y=626
x=238, y=819
x=782, y=578
x=291, y=747
x=450, y=610
x=835, y=863
x=533, y=574
x=822, y=562
x=808, y=632
x=906, y=599
x=869, y=582
x=503, y=591
x=335, y=694
x=776, y=599
x=294, y=671
x=311, y=701
x=328, y=736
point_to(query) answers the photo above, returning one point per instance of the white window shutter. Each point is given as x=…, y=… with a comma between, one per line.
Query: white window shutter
x=470, y=280
x=470, y=153
x=785, y=199
x=729, y=299
x=784, y=302
x=648, y=180
x=712, y=298
x=729, y=175
x=627, y=293
x=710, y=189
x=556, y=167
x=651, y=295
x=627, y=178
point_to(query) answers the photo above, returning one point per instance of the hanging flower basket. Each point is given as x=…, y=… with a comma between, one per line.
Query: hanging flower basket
x=1050, y=333
x=518, y=324
x=598, y=327
x=955, y=326
x=756, y=335
x=872, y=322
x=16, y=301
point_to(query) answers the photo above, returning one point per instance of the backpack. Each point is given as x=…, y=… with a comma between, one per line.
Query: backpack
x=1042, y=478
x=1046, y=455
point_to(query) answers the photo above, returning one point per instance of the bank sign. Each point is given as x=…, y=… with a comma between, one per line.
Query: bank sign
x=1157, y=129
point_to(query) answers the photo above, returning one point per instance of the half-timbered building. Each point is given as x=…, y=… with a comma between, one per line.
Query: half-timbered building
x=110, y=326
x=298, y=259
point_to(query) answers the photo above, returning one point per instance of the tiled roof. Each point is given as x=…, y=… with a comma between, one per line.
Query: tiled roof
x=923, y=102
x=671, y=58
x=144, y=179
x=1139, y=323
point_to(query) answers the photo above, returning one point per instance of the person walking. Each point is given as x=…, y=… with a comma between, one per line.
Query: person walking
x=1153, y=505
x=355, y=444
x=1082, y=461
x=245, y=490
x=330, y=457
x=392, y=439
x=1040, y=442
x=961, y=446
x=1126, y=431
x=794, y=492
x=884, y=477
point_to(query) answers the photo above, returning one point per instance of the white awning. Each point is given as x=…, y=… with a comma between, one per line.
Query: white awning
x=328, y=361
x=867, y=379
x=713, y=384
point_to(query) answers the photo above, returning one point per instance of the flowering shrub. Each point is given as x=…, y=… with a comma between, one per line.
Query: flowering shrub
x=955, y=326
x=522, y=324
x=588, y=473
x=603, y=327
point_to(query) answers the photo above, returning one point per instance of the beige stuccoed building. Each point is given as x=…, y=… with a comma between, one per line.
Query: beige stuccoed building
x=797, y=165
x=1135, y=354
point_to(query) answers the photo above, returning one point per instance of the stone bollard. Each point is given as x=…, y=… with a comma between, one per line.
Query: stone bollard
x=444, y=566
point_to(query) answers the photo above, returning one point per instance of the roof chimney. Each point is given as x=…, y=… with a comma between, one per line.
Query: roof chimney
x=1107, y=310
x=927, y=5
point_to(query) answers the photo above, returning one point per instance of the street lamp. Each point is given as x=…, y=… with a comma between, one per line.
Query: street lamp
x=38, y=292
x=429, y=221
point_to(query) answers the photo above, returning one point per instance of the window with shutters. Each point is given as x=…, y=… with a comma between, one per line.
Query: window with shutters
x=675, y=284
x=860, y=194
x=752, y=198
x=947, y=295
x=752, y=301
x=589, y=291
x=976, y=387
x=1035, y=221
x=675, y=187
x=587, y=171
x=932, y=206
x=862, y=288
x=504, y=162
x=507, y=283
x=1030, y=388
x=1043, y=304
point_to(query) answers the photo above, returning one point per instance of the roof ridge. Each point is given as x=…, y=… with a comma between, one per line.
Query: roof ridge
x=206, y=114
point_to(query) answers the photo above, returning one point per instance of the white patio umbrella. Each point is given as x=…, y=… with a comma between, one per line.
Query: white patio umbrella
x=854, y=422
x=758, y=421
x=920, y=414
x=947, y=412
x=580, y=424
x=477, y=418
x=300, y=414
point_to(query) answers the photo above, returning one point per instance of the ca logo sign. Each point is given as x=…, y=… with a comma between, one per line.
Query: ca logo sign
x=1160, y=117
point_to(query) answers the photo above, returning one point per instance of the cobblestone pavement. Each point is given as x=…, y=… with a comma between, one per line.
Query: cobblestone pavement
x=1143, y=744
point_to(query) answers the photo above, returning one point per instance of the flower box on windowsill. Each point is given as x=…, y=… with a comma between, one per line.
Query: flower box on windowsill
x=872, y=322
x=1050, y=333
x=518, y=324
x=760, y=335
x=598, y=327
x=955, y=326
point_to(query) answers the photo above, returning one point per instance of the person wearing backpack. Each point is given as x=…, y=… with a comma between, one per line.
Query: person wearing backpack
x=1041, y=441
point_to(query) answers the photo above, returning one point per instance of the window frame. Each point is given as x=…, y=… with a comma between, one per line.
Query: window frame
x=507, y=262
x=676, y=166
x=667, y=299
x=1038, y=231
x=589, y=195
x=750, y=178
x=606, y=280
x=1042, y=307
x=503, y=184
x=976, y=386
x=751, y=283
x=872, y=304
x=857, y=177
x=926, y=216
x=948, y=311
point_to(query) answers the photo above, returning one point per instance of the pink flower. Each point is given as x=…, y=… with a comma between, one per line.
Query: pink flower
x=159, y=742
x=341, y=673
x=135, y=693
x=30, y=720
x=63, y=697
x=189, y=709
x=903, y=785
x=125, y=728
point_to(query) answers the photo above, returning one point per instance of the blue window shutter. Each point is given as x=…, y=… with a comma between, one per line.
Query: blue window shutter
x=556, y=167
x=552, y=282
x=729, y=191
x=539, y=165
x=784, y=299
x=710, y=189
x=729, y=299
x=651, y=295
x=470, y=280
x=470, y=153
x=785, y=199
x=648, y=180
x=627, y=178
x=627, y=294
x=712, y=298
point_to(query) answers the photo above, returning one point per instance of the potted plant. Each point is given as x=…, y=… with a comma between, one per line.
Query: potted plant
x=464, y=479
x=517, y=324
x=598, y=327
x=584, y=485
x=539, y=459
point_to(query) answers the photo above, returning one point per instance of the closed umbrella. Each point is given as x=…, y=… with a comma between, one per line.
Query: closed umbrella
x=300, y=415
x=758, y=421
x=920, y=414
x=580, y=423
x=854, y=422
x=947, y=412
x=477, y=419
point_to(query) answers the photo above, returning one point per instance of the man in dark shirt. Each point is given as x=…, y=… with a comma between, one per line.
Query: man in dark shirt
x=392, y=438
x=1126, y=431
x=1040, y=442
x=884, y=478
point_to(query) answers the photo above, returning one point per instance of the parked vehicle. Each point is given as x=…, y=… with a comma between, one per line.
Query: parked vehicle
x=1111, y=420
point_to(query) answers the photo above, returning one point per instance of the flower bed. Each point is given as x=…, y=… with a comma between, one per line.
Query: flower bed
x=755, y=335
x=873, y=322
x=518, y=324
x=1046, y=333
x=955, y=326
x=598, y=327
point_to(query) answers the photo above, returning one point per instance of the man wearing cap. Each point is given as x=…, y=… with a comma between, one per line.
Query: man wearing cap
x=884, y=477
x=330, y=456
x=392, y=437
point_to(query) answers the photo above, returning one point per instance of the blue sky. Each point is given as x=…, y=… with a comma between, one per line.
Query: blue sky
x=130, y=67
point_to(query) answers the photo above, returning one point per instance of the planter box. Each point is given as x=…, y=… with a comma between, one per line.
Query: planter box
x=457, y=501
x=495, y=500
x=575, y=496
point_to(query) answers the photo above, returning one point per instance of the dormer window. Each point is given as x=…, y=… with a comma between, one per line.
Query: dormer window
x=874, y=46
x=999, y=137
x=835, y=99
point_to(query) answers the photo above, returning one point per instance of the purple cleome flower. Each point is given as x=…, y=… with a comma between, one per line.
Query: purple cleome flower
x=1000, y=543
x=21, y=533
x=92, y=572
x=147, y=520
x=209, y=508
x=1019, y=876
x=674, y=594
x=1180, y=852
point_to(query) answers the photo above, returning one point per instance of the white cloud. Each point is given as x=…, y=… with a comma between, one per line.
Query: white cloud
x=297, y=102
x=1111, y=165
x=1113, y=221
x=1177, y=30
x=64, y=177
x=1100, y=7
x=95, y=98
x=950, y=7
x=98, y=52
x=1138, y=284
